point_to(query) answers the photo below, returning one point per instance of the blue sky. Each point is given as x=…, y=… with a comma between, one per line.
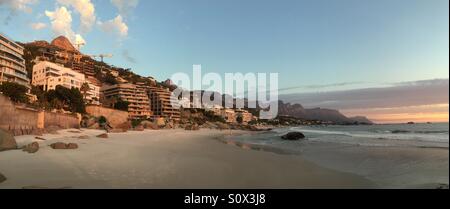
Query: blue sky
x=330, y=44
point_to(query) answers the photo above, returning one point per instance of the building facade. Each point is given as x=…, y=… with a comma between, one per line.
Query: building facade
x=12, y=63
x=48, y=75
x=160, y=103
x=139, y=104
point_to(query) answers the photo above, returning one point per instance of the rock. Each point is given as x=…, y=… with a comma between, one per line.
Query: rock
x=139, y=128
x=2, y=178
x=222, y=126
x=72, y=146
x=7, y=141
x=89, y=122
x=124, y=126
x=58, y=145
x=75, y=132
x=31, y=148
x=441, y=186
x=103, y=136
x=94, y=126
x=293, y=136
x=83, y=137
x=193, y=127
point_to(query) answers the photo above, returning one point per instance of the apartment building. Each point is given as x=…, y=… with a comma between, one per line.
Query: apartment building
x=48, y=75
x=139, y=104
x=93, y=95
x=12, y=64
x=160, y=103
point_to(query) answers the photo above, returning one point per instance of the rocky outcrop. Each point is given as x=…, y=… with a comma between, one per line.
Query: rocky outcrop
x=60, y=145
x=293, y=136
x=321, y=114
x=31, y=148
x=2, y=178
x=63, y=43
x=139, y=128
x=7, y=141
x=193, y=127
x=124, y=126
x=149, y=125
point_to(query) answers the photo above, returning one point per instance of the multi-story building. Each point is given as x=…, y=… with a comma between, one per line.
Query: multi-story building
x=160, y=103
x=139, y=104
x=12, y=64
x=48, y=75
x=93, y=95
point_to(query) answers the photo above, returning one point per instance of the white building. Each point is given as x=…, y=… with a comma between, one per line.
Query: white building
x=48, y=75
x=12, y=64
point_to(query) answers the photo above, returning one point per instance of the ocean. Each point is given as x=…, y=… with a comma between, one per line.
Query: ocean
x=392, y=156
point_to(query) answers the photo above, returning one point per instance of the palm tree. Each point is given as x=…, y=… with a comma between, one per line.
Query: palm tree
x=85, y=88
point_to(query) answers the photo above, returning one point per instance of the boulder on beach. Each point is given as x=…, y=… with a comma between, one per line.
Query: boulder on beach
x=7, y=141
x=72, y=146
x=103, y=136
x=60, y=145
x=31, y=148
x=2, y=178
x=292, y=136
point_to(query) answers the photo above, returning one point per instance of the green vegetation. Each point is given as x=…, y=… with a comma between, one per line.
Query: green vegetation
x=213, y=118
x=60, y=98
x=121, y=105
x=135, y=123
x=85, y=88
x=102, y=120
x=16, y=92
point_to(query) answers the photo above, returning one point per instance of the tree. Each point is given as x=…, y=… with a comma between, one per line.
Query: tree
x=85, y=88
x=121, y=105
x=15, y=91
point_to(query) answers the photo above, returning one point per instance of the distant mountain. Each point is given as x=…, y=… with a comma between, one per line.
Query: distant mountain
x=63, y=43
x=362, y=120
x=298, y=111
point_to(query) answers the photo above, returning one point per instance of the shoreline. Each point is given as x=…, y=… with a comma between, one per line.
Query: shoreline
x=156, y=159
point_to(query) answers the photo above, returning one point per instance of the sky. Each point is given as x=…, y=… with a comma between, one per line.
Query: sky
x=318, y=47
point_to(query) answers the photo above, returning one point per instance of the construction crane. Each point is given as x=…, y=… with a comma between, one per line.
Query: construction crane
x=78, y=45
x=101, y=56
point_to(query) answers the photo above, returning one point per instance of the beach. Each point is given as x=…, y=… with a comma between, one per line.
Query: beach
x=162, y=159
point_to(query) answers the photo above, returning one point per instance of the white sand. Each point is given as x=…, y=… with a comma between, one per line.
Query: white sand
x=161, y=159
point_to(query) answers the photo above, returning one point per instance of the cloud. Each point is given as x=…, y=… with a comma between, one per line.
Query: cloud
x=321, y=86
x=86, y=9
x=125, y=6
x=15, y=6
x=128, y=57
x=19, y=5
x=115, y=25
x=417, y=93
x=38, y=26
x=61, y=21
